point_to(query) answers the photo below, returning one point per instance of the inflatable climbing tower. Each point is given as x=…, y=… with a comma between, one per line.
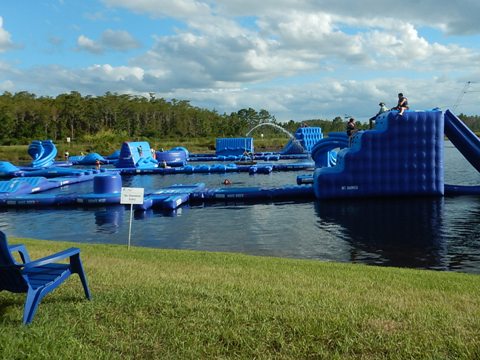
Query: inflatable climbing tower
x=403, y=155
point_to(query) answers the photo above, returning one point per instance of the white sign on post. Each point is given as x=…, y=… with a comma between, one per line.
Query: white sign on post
x=131, y=196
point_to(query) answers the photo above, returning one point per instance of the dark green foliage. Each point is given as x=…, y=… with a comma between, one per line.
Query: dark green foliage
x=25, y=117
x=473, y=122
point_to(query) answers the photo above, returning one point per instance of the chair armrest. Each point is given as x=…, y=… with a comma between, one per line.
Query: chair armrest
x=62, y=255
x=22, y=250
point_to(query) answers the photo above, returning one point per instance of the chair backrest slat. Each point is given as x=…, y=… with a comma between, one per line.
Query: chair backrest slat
x=6, y=257
x=11, y=278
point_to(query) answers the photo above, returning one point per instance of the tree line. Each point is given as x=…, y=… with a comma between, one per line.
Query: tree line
x=25, y=117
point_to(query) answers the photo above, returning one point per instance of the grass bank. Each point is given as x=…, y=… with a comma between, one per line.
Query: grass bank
x=167, y=304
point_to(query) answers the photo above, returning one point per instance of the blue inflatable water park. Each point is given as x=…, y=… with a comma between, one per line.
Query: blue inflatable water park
x=402, y=156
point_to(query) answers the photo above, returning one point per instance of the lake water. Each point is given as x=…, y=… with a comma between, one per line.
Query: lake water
x=426, y=233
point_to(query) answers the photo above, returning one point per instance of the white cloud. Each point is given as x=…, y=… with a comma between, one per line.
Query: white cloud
x=86, y=44
x=118, y=40
x=297, y=59
x=5, y=38
x=161, y=8
x=109, y=73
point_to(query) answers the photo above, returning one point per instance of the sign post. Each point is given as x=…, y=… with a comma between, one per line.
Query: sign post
x=131, y=196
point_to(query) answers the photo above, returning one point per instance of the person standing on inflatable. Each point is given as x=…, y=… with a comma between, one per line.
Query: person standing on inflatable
x=350, y=130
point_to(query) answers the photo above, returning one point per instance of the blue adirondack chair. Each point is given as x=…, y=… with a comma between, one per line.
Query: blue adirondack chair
x=37, y=278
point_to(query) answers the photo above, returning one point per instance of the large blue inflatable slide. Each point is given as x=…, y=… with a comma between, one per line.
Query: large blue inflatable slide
x=43, y=153
x=403, y=155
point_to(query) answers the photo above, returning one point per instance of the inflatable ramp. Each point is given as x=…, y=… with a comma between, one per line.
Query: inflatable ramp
x=136, y=155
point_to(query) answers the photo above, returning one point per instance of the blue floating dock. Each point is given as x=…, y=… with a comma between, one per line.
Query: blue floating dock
x=241, y=194
x=170, y=197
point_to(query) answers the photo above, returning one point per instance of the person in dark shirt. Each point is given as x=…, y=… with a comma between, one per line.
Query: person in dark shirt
x=350, y=130
x=402, y=104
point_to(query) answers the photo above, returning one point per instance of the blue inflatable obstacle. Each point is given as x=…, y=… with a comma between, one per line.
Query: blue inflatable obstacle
x=136, y=155
x=323, y=151
x=233, y=146
x=24, y=191
x=304, y=140
x=403, y=155
x=175, y=157
x=106, y=191
x=8, y=170
x=43, y=153
x=89, y=159
x=113, y=156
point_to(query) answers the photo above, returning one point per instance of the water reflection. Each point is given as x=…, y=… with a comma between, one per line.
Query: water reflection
x=434, y=233
x=463, y=233
x=393, y=232
x=109, y=219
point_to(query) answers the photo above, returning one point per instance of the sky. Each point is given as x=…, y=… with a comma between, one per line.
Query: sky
x=297, y=59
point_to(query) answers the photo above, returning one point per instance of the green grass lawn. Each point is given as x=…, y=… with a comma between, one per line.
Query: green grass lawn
x=167, y=304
